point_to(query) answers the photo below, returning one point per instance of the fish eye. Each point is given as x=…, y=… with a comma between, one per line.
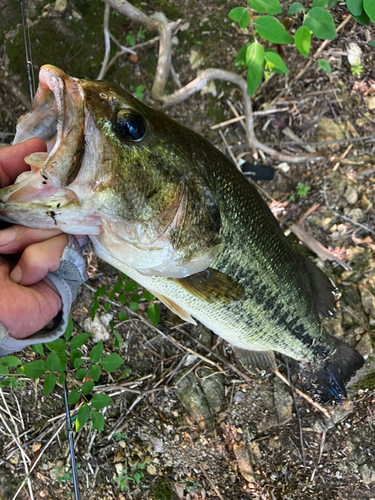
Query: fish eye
x=130, y=125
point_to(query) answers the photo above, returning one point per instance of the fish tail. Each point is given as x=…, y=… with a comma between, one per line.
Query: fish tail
x=328, y=384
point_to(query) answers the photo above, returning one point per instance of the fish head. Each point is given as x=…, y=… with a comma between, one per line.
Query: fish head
x=119, y=171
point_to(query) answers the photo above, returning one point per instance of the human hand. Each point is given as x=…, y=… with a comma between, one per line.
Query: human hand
x=27, y=301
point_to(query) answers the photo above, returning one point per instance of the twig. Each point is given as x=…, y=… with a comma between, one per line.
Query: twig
x=364, y=138
x=321, y=251
x=242, y=117
x=348, y=219
x=107, y=41
x=306, y=67
x=302, y=394
x=213, y=485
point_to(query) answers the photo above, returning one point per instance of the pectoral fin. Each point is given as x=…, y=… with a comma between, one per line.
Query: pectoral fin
x=211, y=285
x=263, y=360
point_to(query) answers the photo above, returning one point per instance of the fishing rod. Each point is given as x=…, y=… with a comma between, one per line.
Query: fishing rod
x=69, y=423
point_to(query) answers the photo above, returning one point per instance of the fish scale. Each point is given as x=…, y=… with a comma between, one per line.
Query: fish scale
x=164, y=206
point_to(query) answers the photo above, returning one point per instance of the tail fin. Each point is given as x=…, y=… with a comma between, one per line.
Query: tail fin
x=328, y=383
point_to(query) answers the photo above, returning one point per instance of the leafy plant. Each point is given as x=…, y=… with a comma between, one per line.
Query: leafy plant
x=65, y=473
x=316, y=21
x=302, y=190
x=356, y=69
x=123, y=479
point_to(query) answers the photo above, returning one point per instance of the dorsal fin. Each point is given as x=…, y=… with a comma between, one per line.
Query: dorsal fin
x=326, y=295
x=211, y=285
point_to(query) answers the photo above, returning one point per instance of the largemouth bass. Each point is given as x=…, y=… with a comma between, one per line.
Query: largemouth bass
x=164, y=206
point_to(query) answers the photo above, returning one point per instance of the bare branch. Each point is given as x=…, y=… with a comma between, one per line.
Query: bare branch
x=134, y=14
x=107, y=41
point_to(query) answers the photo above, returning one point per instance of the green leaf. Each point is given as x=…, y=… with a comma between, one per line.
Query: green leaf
x=321, y=23
x=111, y=295
x=254, y=61
x=274, y=62
x=147, y=295
x=271, y=30
x=4, y=370
x=134, y=306
x=153, y=313
x=69, y=329
x=369, y=8
x=267, y=6
x=38, y=348
x=355, y=7
x=94, y=308
x=302, y=39
x=96, y=352
x=100, y=401
x=124, y=277
x=363, y=19
x=62, y=378
x=95, y=371
x=135, y=297
x=331, y=3
x=49, y=383
x=118, y=286
x=87, y=387
x=77, y=363
x=118, y=339
x=73, y=397
x=125, y=373
x=34, y=369
x=240, y=15
x=319, y=3
x=122, y=298
x=53, y=361
x=101, y=291
x=75, y=353
x=131, y=286
x=81, y=373
x=97, y=420
x=122, y=316
x=83, y=416
x=11, y=361
x=78, y=340
x=112, y=362
x=322, y=63
x=295, y=7
x=107, y=306
x=372, y=43
x=57, y=345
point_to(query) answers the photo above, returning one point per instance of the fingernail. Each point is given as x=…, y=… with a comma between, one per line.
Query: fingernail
x=7, y=236
x=16, y=275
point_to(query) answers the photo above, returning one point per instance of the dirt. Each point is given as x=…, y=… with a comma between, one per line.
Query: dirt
x=183, y=427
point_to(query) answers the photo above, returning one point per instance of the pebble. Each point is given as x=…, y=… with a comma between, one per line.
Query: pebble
x=97, y=329
x=351, y=195
x=368, y=300
x=151, y=469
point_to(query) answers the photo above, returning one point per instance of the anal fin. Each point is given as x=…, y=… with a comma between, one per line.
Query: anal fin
x=263, y=360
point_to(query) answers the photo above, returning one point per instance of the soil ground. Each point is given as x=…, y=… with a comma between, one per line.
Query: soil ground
x=183, y=426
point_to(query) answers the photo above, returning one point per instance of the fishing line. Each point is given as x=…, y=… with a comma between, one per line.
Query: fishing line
x=29, y=65
x=31, y=78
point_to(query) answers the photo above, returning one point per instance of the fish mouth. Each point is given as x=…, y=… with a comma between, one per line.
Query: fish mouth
x=58, y=117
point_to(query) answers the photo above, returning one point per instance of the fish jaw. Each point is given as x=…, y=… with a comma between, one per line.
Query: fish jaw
x=41, y=197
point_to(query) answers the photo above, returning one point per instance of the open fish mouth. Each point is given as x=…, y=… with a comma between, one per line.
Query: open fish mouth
x=57, y=117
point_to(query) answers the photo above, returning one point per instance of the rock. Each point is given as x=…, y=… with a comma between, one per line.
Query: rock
x=119, y=468
x=354, y=54
x=371, y=102
x=96, y=329
x=368, y=300
x=285, y=167
x=243, y=461
x=151, y=469
x=61, y=5
x=351, y=195
x=283, y=401
x=196, y=59
x=157, y=444
x=339, y=182
x=356, y=214
x=367, y=472
x=328, y=130
x=210, y=88
x=364, y=346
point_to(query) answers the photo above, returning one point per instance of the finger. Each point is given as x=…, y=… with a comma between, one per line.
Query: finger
x=38, y=260
x=16, y=238
x=11, y=159
x=25, y=310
